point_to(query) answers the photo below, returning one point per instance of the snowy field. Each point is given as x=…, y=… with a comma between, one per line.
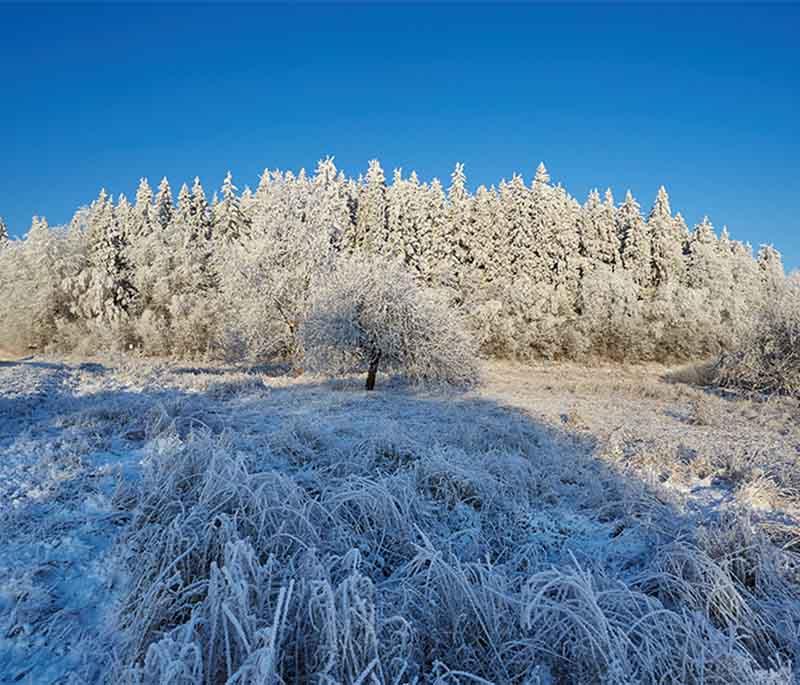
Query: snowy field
x=168, y=523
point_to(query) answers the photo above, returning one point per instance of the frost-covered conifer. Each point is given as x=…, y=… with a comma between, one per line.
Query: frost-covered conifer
x=371, y=220
x=459, y=224
x=111, y=291
x=567, y=241
x=435, y=219
x=163, y=208
x=524, y=245
x=704, y=261
x=667, y=237
x=144, y=219
x=398, y=217
x=610, y=237
x=328, y=208
x=183, y=210
x=201, y=217
x=230, y=222
x=126, y=216
x=636, y=245
x=246, y=200
x=417, y=228
x=599, y=241
x=542, y=176
x=488, y=239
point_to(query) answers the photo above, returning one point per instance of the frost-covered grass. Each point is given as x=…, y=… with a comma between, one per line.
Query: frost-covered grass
x=172, y=524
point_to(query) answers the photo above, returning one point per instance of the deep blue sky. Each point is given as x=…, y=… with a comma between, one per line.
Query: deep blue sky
x=704, y=99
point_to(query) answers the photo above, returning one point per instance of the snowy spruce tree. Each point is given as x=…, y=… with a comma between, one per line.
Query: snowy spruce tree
x=143, y=219
x=372, y=217
x=230, y=224
x=110, y=291
x=599, y=239
x=416, y=227
x=666, y=236
x=162, y=211
x=201, y=221
x=3, y=233
x=636, y=248
x=183, y=209
x=459, y=223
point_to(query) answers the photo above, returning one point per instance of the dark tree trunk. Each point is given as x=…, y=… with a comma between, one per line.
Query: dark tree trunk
x=373, y=370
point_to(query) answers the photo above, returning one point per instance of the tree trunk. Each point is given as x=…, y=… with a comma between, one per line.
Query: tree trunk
x=373, y=370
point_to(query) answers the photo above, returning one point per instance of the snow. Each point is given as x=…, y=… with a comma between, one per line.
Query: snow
x=546, y=479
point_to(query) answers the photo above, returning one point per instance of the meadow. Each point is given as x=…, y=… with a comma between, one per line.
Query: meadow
x=166, y=522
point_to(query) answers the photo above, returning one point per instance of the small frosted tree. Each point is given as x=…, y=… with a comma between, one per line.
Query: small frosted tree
x=3, y=233
x=370, y=312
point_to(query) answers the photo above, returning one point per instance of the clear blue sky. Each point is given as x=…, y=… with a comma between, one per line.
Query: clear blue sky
x=703, y=99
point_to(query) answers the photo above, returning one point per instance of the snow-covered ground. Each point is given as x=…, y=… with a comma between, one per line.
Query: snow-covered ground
x=168, y=523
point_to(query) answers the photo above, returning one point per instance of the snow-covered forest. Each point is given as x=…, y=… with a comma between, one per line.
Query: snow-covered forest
x=536, y=273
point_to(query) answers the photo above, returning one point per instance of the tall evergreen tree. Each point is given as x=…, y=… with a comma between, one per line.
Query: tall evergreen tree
x=143, y=219
x=459, y=225
x=704, y=260
x=202, y=218
x=667, y=238
x=372, y=216
x=636, y=246
x=519, y=225
x=183, y=210
x=163, y=204
x=230, y=223
x=112, y=290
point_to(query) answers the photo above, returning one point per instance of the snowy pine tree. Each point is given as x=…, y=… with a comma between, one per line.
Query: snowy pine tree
x=183, y=210
x=636, y=246
x=667, y=237
x=459, y=220
x=372, y=217
x=230, y=222
x=704, y=260
x=111, y=291
x=162, y=212
x=201, y=217
x=144, y=219
x=599, y=240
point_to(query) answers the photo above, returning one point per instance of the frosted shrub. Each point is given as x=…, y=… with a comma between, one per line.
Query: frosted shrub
x=370, y=312
x=767, y=358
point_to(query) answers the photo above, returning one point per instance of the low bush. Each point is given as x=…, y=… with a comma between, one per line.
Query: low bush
x=767, y=358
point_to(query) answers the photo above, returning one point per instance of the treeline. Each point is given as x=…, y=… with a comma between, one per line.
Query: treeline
x=537, y=273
